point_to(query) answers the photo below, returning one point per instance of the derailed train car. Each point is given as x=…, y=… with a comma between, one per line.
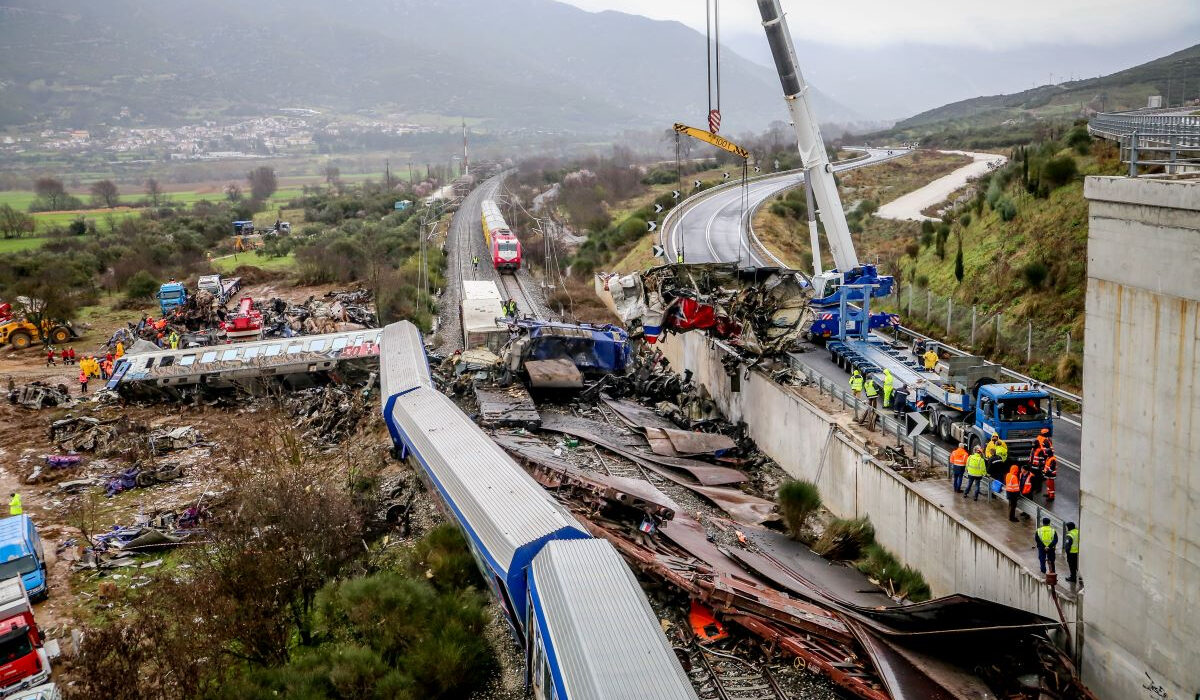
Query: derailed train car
x=586, y=633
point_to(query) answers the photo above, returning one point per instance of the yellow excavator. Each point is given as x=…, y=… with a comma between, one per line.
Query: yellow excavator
x=20, y=333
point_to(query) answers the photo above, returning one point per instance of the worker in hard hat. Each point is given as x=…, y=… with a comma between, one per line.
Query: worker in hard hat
x=856, y=382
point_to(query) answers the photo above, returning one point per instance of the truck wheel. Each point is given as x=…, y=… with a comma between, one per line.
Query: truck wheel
x=20, y=339
x=944, y=428
x=60, y=335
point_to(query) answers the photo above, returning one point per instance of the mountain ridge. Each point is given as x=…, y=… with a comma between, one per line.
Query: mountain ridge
x=534, y=64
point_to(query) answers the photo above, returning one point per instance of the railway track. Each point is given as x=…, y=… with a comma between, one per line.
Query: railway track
x=717, y=675
x=514, y=288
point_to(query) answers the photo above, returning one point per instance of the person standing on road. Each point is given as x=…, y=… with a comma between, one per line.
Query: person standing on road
x=931, y=359
x=889, y=385
x=1071, y=549
x=976, y=470
x=1012, y=490
x=14, y=504
x=958, y=465
x=83, y=380
x=996, y=455
x=1046, y=540
x=475, y=262
x=1050, y=473
x=856, y=382
x=71, y=355
x=50, y=356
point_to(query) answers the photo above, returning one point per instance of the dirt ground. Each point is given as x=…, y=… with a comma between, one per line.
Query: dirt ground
x=25, y=443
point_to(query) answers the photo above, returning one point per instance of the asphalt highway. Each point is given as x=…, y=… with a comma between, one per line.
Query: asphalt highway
x=714, y=230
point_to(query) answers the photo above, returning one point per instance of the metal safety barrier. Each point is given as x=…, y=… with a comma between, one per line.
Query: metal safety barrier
x=1170, y=138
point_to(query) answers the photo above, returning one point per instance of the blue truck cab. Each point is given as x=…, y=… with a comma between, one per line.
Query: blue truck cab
x=1017, y=412
x=21, y=554
x=171, y=295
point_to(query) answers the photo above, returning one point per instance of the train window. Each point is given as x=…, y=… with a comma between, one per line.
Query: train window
x=273, y=350
x=547, y=681
x=187, y=360
x=317, y=345
x=358, y=340
x=149, y=363
x=208, y=356
x=251, y=353
x=339, y=343
x=166, y=361
x=230, y=354
x=295, y=348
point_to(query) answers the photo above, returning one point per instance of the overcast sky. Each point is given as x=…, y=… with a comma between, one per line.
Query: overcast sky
x=888, y=59
x=973, y=23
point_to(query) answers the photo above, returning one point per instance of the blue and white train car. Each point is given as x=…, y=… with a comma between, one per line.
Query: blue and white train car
x=505, y=514
x=593, y=635
x=586, y=626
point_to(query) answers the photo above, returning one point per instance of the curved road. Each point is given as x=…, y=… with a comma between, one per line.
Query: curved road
x=713, y=229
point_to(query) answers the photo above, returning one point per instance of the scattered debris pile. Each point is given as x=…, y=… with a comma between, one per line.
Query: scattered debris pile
x=38, y=395
x=759, y=310
x=341, y=311
x=87, y=433
x=157, y=533
x=329, y=414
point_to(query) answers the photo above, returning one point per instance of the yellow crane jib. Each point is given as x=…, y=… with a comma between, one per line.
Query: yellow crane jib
x=709, y=137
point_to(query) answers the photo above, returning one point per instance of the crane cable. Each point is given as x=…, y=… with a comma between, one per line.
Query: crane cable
x=712, y=47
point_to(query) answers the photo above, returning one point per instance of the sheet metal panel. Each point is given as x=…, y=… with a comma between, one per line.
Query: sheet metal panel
x=502, y=507
x=603, y=637
x=402, y=362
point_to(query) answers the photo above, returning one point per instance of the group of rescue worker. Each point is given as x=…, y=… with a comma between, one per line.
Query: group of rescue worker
x=101, y=367
x=991, y=461
x=868, y=387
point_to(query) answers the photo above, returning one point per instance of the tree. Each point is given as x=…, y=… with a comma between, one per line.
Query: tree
x=154, y=193
x=233, y=192
x=1059, y=171
x=262, y=183
x=52, y=190
x=105, y=193
x=13, y=223
x=142, y=285
x=958, y=260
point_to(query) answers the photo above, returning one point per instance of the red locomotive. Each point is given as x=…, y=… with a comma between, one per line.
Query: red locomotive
x=503, y=246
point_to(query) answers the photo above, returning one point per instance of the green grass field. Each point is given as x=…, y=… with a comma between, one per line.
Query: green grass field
x=228, y=264
x=13, y=245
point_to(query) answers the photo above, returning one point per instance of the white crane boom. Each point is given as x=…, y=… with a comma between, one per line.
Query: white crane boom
x=817, y=169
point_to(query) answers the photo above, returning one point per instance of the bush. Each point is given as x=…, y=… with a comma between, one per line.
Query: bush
x=923, y=281
x=1059, y=171
x=912, y=250
x=798, y=500
x=845, y=540
x=926, y=227
x=965, y=220
x=1035, y=273
x=1079, y=139
x=141, y=285
x=1007, y=209
x=901, y=581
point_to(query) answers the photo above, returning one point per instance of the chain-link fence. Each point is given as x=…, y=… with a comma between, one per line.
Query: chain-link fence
x=1048, y=355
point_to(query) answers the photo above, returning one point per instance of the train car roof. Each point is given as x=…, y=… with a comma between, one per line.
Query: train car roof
x=604, y=641
x=480, y=289
x=501, y=507
x=402, y=361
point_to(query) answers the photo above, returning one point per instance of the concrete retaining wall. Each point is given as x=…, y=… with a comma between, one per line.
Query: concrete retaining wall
x=952, y=555
x=1140, y=477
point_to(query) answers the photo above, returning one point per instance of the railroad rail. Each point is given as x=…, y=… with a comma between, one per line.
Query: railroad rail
x=717, y=675
x=514, y=288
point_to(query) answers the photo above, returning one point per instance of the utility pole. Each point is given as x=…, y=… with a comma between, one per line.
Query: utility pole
x=466, y=163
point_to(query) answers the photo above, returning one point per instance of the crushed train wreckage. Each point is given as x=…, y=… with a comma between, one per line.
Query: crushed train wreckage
x=761, y=311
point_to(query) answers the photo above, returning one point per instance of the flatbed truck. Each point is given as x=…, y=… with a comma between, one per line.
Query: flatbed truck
x=961, y=397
